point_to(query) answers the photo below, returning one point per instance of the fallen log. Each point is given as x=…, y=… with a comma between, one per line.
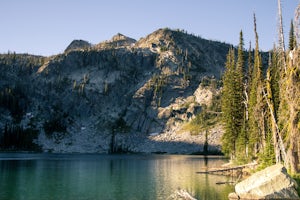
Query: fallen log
x=228, y=171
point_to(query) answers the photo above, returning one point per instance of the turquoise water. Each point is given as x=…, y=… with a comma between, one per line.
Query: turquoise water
x=107, y=177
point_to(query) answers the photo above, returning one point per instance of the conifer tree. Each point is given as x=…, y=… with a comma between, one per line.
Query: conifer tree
x=256, y=112
x=275, y=72
x=234, y=142
x=248, y=79
x=241, y=100
x=230, y=135
x=240, y=65
x=250, y=67
x=292, y=37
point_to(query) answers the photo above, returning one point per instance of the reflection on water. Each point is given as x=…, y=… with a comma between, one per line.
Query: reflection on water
x=107, y=177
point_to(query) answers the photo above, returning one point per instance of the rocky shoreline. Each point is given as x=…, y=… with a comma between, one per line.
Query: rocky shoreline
x=170, y=143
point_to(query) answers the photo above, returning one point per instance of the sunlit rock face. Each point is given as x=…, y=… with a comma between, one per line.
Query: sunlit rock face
x=78, y=45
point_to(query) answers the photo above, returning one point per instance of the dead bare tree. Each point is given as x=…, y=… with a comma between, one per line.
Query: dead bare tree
x=281, y=35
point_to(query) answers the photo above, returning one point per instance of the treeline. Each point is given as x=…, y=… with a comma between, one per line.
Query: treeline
x=261, y=109
x=14, y=100
x=23, y=64
x=15, y=137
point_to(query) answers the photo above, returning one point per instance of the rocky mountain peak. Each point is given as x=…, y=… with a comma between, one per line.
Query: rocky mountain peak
x=159, y=38
x=78, y=44
x=120, y=37
x=117, y=41
x=202, y=56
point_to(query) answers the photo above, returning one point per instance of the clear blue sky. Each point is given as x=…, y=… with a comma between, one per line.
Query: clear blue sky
x=46, y=27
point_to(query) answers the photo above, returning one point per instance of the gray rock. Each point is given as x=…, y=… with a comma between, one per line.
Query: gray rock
x=181, y=194
x=77, y=45
x=270, y=183
x=117, y=41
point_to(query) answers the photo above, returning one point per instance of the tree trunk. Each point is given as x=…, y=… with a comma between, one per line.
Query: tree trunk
x=275, y=130
x=263, y=129
x=293, y=159
x=292, y=152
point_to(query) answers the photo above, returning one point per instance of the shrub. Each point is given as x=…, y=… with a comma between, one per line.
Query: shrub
x=54, y=125
x=163, y=48
x=15, y=137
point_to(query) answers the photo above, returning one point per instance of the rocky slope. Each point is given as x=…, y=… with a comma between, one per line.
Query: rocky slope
x=118, y=95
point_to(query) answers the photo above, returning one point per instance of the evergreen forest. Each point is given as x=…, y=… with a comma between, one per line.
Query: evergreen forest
x=261, y=107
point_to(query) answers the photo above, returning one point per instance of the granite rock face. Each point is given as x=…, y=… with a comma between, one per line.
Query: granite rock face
x=78, y=45
x=270, y=183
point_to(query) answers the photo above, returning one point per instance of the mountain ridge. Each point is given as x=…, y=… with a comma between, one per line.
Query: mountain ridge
x=118, y=95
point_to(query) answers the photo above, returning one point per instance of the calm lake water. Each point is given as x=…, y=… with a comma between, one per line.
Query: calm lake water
x=107, y=177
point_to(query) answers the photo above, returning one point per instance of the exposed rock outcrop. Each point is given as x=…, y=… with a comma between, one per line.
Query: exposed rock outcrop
x=117, y=41
x=270, y=183
x=78, y=45
x=181, y=194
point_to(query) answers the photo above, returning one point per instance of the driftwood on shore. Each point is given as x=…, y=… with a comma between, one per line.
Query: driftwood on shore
x=236, y=171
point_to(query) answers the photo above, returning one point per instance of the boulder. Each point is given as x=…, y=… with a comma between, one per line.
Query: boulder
x=270, y=183
x=181, y=194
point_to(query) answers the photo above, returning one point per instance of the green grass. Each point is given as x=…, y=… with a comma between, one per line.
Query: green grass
x=203, y=121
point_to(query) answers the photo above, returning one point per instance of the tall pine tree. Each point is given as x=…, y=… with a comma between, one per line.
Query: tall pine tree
x=242, y=102
x=292, y=37
x=228, y=107
x=256, y=112
x=234, y=139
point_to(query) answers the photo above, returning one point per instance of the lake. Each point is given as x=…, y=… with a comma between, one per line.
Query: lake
x=29, y=176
